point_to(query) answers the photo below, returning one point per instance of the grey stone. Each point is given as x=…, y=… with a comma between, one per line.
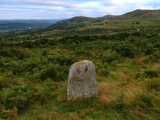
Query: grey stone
x=82, y=80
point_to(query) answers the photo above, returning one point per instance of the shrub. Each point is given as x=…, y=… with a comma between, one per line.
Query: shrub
x=51, y=72
x=151, y=73
x=6, y=80
x=48, y=73
x=155, y=56
x=140, y=75
x=6, y=114
x=136, y=34
x=18, y=96
x=110, y=56
x=122, y=35
x=127, y=49
x=154, y=84
x=28, y=44
x=146, y=100
x=30, y=66
x=104, y=71
x=14, y=53
x=41, y=42
x=149, y=49
x=147, y=74
x=44, y=53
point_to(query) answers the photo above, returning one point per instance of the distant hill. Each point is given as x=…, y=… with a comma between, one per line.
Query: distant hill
x=109, y=16
x=81, y=21
x=78, y=21
x=141, y=14
x=8, y=25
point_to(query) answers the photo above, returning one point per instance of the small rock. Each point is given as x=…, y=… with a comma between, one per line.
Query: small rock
x=82, y=80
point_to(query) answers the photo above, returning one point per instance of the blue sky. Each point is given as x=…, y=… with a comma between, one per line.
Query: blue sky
x=62, y=9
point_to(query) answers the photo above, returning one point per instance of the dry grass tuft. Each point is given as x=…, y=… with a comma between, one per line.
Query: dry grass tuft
x=104, y=99
x=84, y=112
x=109, y=92
x=140, y=60
x=103, y=88
x=131, y=92
x=137, y=112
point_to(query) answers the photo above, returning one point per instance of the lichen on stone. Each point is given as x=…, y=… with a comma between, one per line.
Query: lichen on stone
x=79, y=64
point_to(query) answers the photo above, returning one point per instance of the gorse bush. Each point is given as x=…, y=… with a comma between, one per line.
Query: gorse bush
x=149, y=73
x=155, y=56
x=154, y=84
x=127, y=49
x=50, y=72
x=104, y=71
x=6, y=80
x=17, y=95
x=110, y=56
x=17, y=53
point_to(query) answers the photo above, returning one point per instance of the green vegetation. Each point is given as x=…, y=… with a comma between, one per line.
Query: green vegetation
x=34, y=73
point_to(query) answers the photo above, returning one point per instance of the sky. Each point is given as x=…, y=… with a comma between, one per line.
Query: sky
x=63, y=9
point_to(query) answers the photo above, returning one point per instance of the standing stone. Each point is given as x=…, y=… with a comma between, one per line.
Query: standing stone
x=82, y=80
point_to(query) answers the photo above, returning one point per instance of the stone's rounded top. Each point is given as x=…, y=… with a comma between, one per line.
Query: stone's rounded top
x=79, y=68
x=83, y=63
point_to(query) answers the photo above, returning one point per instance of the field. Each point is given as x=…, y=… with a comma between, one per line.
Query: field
x=34, y=72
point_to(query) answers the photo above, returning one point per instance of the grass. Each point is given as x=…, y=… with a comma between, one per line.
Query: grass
x=121, y=96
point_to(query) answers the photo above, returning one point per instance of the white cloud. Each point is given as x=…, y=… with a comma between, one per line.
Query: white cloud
x=124, y=2
x=47, y=2
x=71, y=8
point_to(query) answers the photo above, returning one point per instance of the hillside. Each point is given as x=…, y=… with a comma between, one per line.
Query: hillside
x=34, y=74
x=140, y=15
x=143, y=14
x=109, y=16
x=75, y=22
x=79, y=21
x=85, y=22
x=81, y=25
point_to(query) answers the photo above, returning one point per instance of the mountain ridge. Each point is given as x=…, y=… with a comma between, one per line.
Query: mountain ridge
x=142, y=14
x=84, y=21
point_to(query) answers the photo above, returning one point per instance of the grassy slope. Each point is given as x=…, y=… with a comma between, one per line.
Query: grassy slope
x=120, y=97
x=127, y=75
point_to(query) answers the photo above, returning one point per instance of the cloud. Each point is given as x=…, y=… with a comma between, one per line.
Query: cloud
x=70, y=8
x=56, y=7
x=44, y=2
x=125, y=2
x=33, y=12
